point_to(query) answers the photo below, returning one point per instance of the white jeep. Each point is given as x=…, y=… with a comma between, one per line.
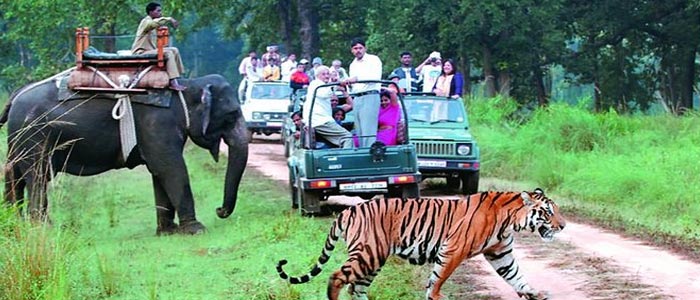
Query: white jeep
x=265, y=106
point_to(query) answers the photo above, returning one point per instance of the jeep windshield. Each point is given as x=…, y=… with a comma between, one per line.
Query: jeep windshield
x=271, y=91
x=426, y=109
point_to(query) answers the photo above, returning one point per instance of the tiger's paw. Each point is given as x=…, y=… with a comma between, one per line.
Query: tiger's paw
x=535, y=295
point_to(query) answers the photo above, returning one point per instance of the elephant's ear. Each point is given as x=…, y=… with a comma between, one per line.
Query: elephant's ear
x=206, y=111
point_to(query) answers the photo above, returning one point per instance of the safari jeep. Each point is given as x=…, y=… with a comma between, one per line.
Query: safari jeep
x=439, y=129
x=315, y=173
x=265, y=106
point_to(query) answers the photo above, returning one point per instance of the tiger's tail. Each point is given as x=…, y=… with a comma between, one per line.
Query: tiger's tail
x=335, y=232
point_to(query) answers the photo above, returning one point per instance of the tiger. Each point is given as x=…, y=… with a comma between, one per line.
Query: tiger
x=440, y=231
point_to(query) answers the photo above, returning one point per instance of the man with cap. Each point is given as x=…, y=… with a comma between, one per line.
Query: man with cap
x=399, y=85
x=430, y=70
x=315, y=63
x=366, y=102
x=270, y=54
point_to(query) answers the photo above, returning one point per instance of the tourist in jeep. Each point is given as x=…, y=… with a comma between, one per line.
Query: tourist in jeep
x=450, y=82
x=299, y=79
x=317, y=110
x=389, y=117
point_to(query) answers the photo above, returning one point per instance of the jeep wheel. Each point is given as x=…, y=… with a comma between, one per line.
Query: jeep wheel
x=453, y=182
x=410, y=191
x=310, y=202
x=249, y=135
x=470, y=182
x=293, y=190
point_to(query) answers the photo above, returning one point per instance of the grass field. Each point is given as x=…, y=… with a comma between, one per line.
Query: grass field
x=634, y=172
x=102, y=244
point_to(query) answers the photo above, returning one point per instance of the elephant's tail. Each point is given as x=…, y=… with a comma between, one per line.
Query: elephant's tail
x=6, y=110
x=333, y=236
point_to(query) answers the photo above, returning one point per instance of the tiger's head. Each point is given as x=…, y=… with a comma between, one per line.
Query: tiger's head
x=543, y=214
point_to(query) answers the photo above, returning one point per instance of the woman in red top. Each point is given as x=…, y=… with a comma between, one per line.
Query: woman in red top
x=299, y=79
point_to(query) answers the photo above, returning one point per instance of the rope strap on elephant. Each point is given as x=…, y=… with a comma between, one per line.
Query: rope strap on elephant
x=123, y=111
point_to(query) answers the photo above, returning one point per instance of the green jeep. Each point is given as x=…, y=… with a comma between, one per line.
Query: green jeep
x=439, y=129
x=317, y=171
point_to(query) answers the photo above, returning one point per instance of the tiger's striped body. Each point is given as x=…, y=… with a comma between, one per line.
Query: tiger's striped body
x=440, y=231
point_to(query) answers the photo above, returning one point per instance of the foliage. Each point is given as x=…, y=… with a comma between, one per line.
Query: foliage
x=635, y=53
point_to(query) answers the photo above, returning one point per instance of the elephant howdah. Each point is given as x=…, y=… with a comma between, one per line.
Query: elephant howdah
x=80, y=137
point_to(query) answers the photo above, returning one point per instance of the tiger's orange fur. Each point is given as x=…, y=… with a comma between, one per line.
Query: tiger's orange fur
x=440, y=231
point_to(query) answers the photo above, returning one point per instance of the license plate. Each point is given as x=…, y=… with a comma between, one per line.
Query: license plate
x=432, y=163
x=362, y=186
x=274, y=124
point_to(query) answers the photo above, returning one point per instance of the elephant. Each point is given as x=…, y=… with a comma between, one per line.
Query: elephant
x=47, y=136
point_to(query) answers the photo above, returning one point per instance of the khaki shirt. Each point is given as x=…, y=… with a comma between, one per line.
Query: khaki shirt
x=146, y=35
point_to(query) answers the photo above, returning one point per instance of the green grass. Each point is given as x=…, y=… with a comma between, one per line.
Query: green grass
x=106, y=226
x=638, y=172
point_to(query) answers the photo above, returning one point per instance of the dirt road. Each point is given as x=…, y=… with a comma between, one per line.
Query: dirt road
x=583, y=263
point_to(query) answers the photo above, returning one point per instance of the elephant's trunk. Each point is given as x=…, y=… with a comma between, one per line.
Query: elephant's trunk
x=237, y=160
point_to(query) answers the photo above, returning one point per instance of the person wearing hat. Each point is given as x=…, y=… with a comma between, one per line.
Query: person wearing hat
x=366, y=101
x=315, y=63
x=429, y=71
x=270, y=54
x=398, y=87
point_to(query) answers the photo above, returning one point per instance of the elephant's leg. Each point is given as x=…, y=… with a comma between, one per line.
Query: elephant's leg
x=176, y=184
x=37, y=186
x=14, y=185
x=165, y=211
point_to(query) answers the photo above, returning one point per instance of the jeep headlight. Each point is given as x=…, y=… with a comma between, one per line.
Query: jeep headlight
x=463, y=149
x=257, y=115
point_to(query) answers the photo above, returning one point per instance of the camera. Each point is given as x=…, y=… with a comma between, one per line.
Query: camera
x=433, y=59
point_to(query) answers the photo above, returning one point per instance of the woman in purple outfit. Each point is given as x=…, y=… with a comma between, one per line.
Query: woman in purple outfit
x=389, y=117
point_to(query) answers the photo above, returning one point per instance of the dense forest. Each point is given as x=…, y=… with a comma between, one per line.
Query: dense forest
x=634, y=53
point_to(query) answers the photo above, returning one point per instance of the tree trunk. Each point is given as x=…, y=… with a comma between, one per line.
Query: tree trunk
x=597, y=97
x=504, y=82
x=489, y=76
x=686, y=82
x=308, y=31
x=286, y=26
x=542, y=95
x=111, y=41
x=466, y=71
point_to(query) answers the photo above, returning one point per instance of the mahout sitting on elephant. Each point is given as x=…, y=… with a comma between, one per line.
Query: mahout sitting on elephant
x=47, y=133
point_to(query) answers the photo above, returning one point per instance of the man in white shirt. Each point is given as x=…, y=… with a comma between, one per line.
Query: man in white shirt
x=242, y=69
x=366, y=102
x=319, y=114
x=288, y=66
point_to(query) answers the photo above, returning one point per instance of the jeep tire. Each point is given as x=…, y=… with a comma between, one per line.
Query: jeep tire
x=310, y=202
x=293, y=189
x=249, y=135
x=410, y=191
x=453, y=182
x=470, y=182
